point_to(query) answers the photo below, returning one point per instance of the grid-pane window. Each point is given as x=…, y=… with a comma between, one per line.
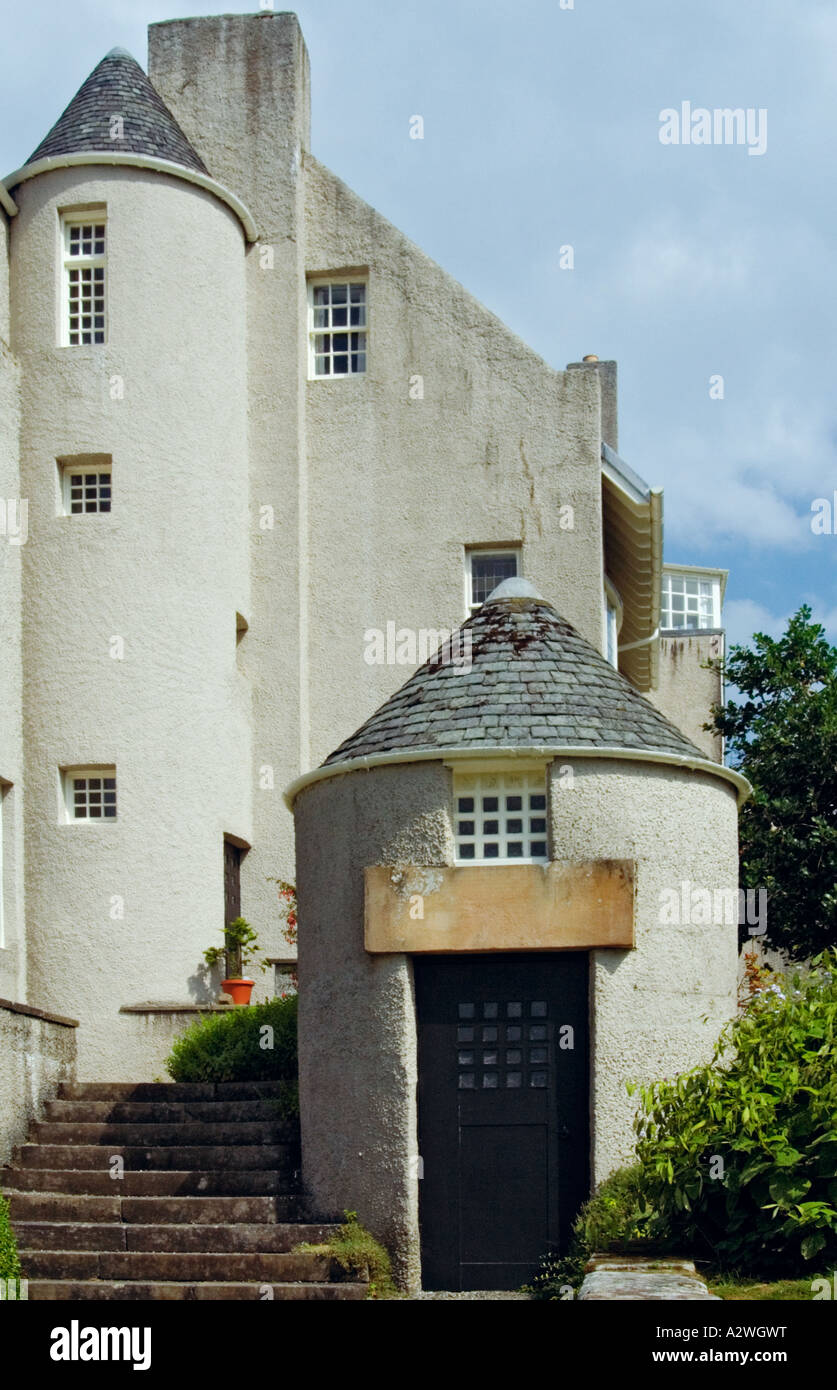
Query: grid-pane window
x=338, y=328
x=501, y=817
x=487, y=569
x=87, y=490
x=84, y=282
x=687, y=603
x=91, y=794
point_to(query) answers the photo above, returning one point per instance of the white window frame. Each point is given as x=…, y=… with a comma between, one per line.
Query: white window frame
x=612, y=613
x=93, y=217
x=77, y=467
x=68, y=777
x=350, y=281
x=483, y=552
x=709, y=602
x=501, y=783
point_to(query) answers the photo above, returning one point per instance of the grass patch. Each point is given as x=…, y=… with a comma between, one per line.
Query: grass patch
x=734, y=1289
x=357, y=1251
x=9, y=1262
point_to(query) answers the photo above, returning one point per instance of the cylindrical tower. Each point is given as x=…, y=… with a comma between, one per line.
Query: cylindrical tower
x=128, y=319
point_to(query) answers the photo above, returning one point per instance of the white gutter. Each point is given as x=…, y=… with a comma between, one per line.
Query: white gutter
x=136, y=161
x=8, y=202
x=447, y=755
x=643, y=642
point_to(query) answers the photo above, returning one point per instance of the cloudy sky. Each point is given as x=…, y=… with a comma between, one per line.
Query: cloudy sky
x=541, y=131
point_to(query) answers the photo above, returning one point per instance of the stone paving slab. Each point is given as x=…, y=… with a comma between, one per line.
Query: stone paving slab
x=668, y=1278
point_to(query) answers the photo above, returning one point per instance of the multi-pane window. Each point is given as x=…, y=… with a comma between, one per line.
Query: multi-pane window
x=688, y=603
x=91, y=794
x=503, y=1044
x=84, y=281
x=501, y=817
x=338, y=328
x=487, y=569
x=87, y=489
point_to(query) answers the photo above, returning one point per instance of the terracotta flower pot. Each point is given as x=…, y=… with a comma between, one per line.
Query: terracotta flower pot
x=238, y=989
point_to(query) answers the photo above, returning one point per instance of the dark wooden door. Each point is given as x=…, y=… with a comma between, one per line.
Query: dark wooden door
x=503, y=1113
x=232, y=882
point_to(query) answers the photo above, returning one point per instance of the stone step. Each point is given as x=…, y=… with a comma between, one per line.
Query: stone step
x=180, y=1156
x=128, y=1112
x=168, y=1091
x=146, y=1211
x=167, y=1135
x=45, y=1290
x=242, y=1238
x=217, y=1267
x=197, y=1182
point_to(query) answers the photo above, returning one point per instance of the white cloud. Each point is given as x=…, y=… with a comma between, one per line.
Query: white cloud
x=744, y=616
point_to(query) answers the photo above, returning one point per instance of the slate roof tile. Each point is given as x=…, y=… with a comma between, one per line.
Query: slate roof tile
x=575, y=699
x=119, y=87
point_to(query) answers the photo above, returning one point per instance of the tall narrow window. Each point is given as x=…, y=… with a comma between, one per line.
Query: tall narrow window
x=83, y=310
x=487, y=569
x=337, y=327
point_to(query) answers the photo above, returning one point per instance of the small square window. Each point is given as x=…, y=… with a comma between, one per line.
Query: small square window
x=90, y=794
x=86, y=487
x=487, y=569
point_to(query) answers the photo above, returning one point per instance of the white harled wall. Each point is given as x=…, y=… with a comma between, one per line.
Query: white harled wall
x=165, y=572
x=13, y=532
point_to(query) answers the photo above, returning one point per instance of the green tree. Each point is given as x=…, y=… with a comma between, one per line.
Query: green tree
x=782, y=735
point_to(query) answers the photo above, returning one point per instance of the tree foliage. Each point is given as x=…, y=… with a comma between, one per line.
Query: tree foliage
x=782, y=735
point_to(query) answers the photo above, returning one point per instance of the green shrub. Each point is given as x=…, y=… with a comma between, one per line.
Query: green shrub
x=236, y=1046
x=357, y=1252
x=9, y=1262
x=618, y=1217
x=740, y=1156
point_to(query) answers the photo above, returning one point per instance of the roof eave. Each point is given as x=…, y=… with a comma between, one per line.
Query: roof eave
x=136, y=161
x=545, y=751
x=633, y=547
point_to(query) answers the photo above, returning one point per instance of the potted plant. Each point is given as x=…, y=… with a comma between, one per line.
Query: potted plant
x=238, y=951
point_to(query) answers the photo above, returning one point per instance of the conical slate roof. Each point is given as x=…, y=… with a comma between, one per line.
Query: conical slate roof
x=533, y=681
x=119, y=87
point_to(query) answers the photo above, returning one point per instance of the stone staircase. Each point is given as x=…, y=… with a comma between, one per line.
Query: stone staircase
x=208, y=1205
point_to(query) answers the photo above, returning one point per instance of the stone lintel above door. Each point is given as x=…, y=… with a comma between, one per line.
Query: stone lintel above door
x=559, y=906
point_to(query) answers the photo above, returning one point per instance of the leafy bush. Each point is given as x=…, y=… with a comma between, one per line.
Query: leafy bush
x=257, y=1043
x=9, y=1262
x=740, y=1156
x=618, y=1217
x=357, y=1251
